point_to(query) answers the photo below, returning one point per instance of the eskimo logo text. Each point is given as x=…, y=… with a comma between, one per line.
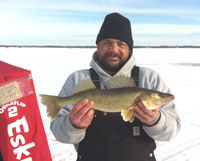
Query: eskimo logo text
x=16, y=130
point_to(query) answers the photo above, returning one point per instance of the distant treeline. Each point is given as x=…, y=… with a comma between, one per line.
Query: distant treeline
x=58, y=46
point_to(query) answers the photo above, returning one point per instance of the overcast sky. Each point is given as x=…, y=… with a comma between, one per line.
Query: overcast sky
x=77, y=22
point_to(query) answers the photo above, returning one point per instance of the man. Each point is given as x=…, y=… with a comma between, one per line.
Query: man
x=101, y=136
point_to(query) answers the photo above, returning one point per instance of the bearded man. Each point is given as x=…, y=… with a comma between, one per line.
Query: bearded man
x=99, y=136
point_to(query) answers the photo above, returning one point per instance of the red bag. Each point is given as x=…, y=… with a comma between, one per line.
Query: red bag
x=22, y=135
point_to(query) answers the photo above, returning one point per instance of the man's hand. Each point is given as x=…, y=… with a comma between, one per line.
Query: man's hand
x=82, y=114
x=144, y=115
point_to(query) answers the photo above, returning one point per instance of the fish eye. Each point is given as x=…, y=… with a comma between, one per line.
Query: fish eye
x=163, y=95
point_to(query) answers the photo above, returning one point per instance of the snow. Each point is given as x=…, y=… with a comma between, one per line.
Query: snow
x=180, y=67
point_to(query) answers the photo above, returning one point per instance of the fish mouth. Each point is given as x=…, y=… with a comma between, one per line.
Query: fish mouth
x=168, y=98
x=171, y=97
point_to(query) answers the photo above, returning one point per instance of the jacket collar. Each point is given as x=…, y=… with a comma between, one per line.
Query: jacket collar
x=125, y=70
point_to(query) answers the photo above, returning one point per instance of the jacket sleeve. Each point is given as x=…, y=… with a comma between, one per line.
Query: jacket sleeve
x=61, y=126
x=169, y=125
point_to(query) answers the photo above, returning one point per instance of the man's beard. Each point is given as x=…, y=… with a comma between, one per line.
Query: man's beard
x=108, y=66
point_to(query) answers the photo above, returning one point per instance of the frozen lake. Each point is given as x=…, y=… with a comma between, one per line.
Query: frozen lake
x=180, y=67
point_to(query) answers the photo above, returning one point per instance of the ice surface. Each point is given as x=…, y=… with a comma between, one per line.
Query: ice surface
x=180, y=67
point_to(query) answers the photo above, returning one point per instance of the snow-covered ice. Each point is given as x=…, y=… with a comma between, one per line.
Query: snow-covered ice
x=180, y=67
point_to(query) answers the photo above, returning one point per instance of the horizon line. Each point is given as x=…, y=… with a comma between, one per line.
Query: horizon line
x=93, y=46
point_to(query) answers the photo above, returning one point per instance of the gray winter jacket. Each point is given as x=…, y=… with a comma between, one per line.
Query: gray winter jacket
x=167, y=128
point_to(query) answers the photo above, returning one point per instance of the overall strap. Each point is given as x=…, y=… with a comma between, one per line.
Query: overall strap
x=95, y=78
x=135, y=75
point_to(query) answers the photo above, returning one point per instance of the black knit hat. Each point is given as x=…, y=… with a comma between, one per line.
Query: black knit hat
x=118, y=27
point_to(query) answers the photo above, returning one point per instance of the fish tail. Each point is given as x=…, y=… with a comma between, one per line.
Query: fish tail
x=52, y=106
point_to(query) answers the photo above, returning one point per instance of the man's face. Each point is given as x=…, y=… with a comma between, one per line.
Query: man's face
x=112, y=54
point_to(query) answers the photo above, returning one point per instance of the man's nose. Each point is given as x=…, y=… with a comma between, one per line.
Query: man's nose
x=114, y=47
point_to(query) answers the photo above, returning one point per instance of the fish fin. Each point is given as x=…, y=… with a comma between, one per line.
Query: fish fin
x=127, y=115
x=119, y=82
x=51, y=103
x=84, y=85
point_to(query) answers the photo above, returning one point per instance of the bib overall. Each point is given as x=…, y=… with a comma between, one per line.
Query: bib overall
x=109, y=138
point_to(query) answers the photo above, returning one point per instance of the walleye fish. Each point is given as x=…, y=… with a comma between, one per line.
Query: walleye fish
x=120, y=95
